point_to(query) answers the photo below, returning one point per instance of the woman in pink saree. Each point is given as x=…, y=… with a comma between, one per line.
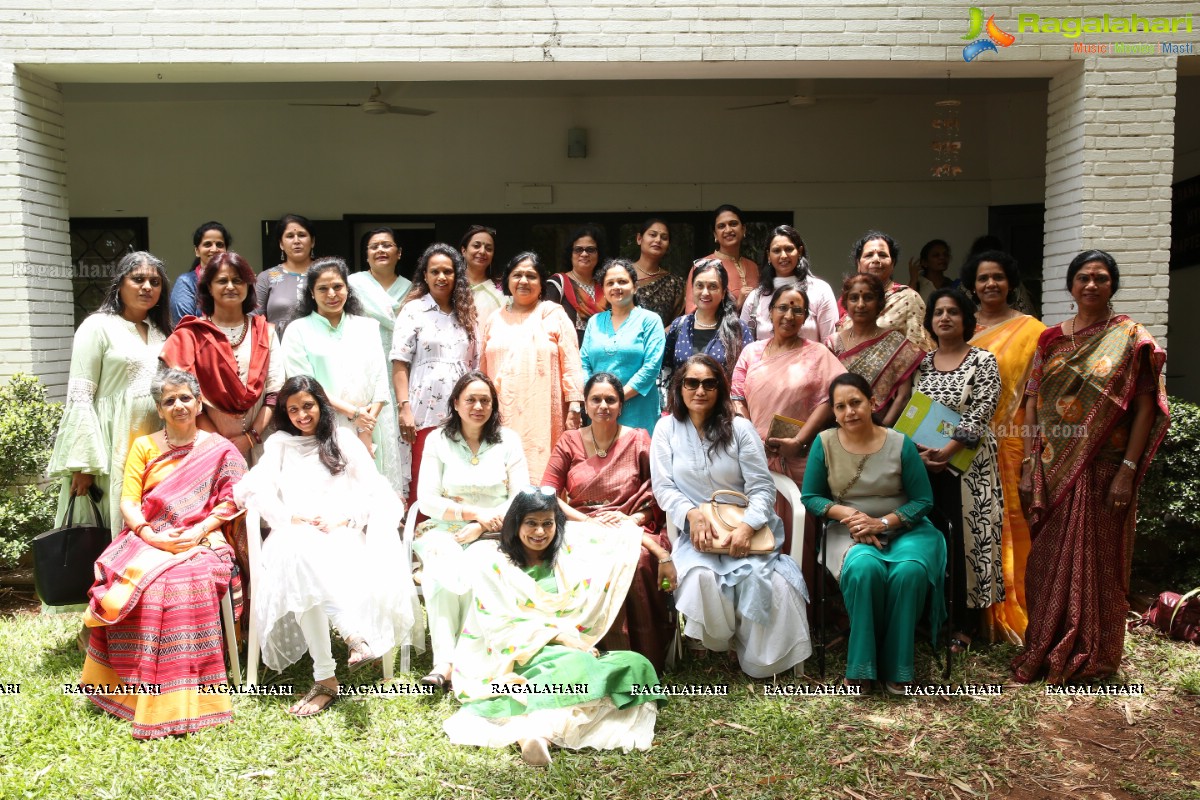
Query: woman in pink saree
x=154, y=611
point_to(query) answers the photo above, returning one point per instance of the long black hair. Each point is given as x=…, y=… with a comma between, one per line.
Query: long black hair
x=462, y=302
x=729, y=324
x=766, y=270
x=452, y=424
x=329, y=452
x=159, y=315
x=718, y=426
x=318, y=268
x=528, y=501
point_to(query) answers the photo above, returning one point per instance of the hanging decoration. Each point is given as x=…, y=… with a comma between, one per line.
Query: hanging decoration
x=947, y=144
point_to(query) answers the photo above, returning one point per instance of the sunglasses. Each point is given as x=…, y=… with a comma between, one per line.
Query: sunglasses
x=709, y=384
x=546, y=491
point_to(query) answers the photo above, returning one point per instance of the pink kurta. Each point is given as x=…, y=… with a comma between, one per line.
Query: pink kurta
x=533, y=358
x=793, y=383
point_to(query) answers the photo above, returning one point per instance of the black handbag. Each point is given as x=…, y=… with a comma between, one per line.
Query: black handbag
x=64, y=559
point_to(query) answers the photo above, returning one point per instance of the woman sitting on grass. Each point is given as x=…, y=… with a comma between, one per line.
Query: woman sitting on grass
x=540, y=607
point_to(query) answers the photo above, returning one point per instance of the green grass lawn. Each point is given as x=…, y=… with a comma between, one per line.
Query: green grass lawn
x=745, y=745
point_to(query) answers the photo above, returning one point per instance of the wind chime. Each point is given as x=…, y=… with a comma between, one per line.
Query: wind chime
x=946, y=145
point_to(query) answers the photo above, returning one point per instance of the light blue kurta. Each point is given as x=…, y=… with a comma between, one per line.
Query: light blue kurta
x=634, y=354
x=381, y=305
x=349, y=363
x=684, y=474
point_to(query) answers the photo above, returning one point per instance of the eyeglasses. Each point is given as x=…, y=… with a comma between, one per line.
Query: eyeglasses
x=709, y=384
x=795, y=311
x=545, y=491
x=585, y=251
x=381, y=246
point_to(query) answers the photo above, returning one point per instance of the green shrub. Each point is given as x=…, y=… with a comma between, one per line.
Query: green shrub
x=1168, y=543
x=28, y=423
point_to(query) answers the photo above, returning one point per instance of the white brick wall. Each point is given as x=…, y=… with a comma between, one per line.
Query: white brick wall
x=1110, y=140
x=34, y=248
x=1109, y=158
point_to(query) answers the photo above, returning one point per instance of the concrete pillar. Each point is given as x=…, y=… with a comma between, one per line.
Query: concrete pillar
x=1110, y=154
x=36, y=317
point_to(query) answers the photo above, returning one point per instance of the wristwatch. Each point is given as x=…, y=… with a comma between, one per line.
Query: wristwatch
x=886, y=524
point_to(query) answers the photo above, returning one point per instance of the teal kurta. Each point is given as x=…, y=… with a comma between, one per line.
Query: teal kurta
x=634, y=354
x=349, y=363
x=885, y=591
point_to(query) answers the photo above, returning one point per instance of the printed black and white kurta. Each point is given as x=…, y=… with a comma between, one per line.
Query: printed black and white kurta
x=973, y=390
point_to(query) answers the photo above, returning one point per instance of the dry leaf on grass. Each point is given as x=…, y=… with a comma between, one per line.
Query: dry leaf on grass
x=770, y=779
x=258, y=773
x=734, y=725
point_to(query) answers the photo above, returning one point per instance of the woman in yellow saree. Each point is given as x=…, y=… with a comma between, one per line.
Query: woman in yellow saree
x=992, y=279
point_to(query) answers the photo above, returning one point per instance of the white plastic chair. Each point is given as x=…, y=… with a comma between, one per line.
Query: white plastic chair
x=254, y=545
x=791, y=492
x=410, y=526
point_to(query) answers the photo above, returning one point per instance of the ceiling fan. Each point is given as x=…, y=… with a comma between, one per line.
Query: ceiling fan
x=374, y=104
x=810, y=100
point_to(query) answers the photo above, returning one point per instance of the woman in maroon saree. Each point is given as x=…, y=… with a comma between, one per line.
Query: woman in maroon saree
x=154, y=611
x=602, y=474
x=1096, y=393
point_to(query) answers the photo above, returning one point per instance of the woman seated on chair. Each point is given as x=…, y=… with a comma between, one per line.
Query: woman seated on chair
x=334, y=554
x=159, y=586
x=752, y=603
x=469, y=470
x=540, y=608
x=602, y=472
x=870, y=483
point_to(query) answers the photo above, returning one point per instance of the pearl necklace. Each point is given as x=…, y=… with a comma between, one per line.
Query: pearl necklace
x=1075, y=324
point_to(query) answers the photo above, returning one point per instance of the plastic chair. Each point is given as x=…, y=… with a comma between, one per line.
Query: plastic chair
x=410, y=527
x=791, y=492
x=254, y=542
x=943, y=524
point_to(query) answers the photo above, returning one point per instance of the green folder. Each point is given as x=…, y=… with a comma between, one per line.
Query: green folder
x=931, y=424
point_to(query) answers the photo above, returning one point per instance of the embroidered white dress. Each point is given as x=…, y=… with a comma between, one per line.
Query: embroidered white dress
x=108, y=406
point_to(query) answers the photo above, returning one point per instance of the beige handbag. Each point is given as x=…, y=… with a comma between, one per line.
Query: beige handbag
x=724, y=517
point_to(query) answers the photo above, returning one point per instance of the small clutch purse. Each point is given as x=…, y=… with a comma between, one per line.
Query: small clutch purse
x=724, y=517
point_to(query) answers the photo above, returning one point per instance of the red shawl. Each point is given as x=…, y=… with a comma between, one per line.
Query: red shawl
x=584, y=304
x=201, y=348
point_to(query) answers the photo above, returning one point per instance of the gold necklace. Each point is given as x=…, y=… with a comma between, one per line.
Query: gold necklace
x=603, y=453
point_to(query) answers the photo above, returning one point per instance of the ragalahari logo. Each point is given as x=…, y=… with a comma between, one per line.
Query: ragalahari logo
x=994, y=37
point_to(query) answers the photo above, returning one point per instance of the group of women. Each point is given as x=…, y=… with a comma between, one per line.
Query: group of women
x=347, y=395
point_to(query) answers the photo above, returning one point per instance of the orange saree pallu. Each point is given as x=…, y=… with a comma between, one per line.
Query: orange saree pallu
x=1013, y=344
x=154, y=615
x=1077, y=575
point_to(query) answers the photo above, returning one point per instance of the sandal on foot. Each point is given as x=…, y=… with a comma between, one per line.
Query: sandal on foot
x=897, y=689
x=359, y=645
x=437, y=680
x=865, y=685
x=317, y=690
x=535, y=752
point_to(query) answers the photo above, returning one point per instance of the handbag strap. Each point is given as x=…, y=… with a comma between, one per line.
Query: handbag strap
x=716, y=505
x=97, y=521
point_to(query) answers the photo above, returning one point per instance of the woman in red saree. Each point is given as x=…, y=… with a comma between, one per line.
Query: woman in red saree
x=235, y=356
x=602, y=473
x=158, y=587
x=1096, y=394
x=886, y=358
